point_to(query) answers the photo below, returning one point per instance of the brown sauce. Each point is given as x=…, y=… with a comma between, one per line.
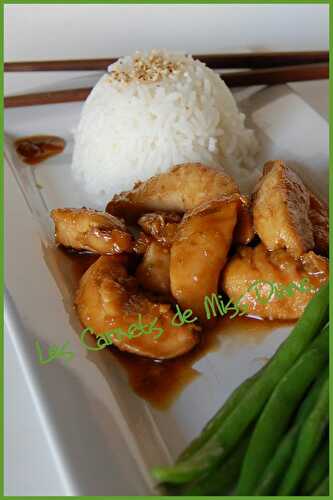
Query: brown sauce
x=160, y=382
x=37, y=148
x=80, y=262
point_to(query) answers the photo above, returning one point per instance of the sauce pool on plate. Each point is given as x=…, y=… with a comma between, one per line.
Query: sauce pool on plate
x=161, y=382
x=37, y=148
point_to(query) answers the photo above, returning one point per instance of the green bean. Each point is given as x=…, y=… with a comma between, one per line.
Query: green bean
x=225, y=439
x=284, y=452
x=317, y=470
x=277, y=413
x=323, y=490
x=311, y=398
x=222, y=478
x=218, y=419
x=278, y=464
x=308, y=443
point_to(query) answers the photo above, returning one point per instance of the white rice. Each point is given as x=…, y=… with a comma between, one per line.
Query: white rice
x=131, y=131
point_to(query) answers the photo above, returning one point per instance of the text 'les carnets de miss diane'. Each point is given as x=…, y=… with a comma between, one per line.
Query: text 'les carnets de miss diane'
x=213, y=305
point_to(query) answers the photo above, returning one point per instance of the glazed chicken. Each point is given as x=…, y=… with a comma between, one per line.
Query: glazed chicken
x=96, y=232
x=142, y=243
x=281, y=206
x=153, y=272
x=318, y=215
x=180, y=189
x=200, y=251
x=244, y=230
x=108, y=298
x=268, y=282
x=191, y=219
x=161, y=226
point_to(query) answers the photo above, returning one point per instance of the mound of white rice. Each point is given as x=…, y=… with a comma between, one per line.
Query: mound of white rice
x=152, y=111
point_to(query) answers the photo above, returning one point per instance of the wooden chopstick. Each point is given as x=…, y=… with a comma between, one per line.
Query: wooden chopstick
x=216, y=61
x=53, y=97
x=274, y=76
x=268, y=76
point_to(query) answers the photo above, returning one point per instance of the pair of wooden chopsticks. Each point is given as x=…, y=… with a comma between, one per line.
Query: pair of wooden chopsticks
x=267, y=68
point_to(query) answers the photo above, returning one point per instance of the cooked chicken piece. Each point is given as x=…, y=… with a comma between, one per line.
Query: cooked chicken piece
x=200, y=250
x=153, y=273
x=182, y=188
x=244, y=230
x=281, y=210
x=316, y=266
x=319, y=218
x=97, y=232
x=108, y=299
x=161, y=226
x=142, y=243
x=273, y=285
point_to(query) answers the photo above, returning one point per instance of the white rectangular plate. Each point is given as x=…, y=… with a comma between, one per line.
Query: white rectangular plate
x=104, y=437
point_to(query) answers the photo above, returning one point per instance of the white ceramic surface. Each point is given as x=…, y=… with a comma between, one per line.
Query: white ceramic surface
x=98, y=429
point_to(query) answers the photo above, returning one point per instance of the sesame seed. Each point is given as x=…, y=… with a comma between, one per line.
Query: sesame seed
x=149, y=68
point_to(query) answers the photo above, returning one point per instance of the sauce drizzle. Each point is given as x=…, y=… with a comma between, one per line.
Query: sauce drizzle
x=161, y=382
x=37, y=148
